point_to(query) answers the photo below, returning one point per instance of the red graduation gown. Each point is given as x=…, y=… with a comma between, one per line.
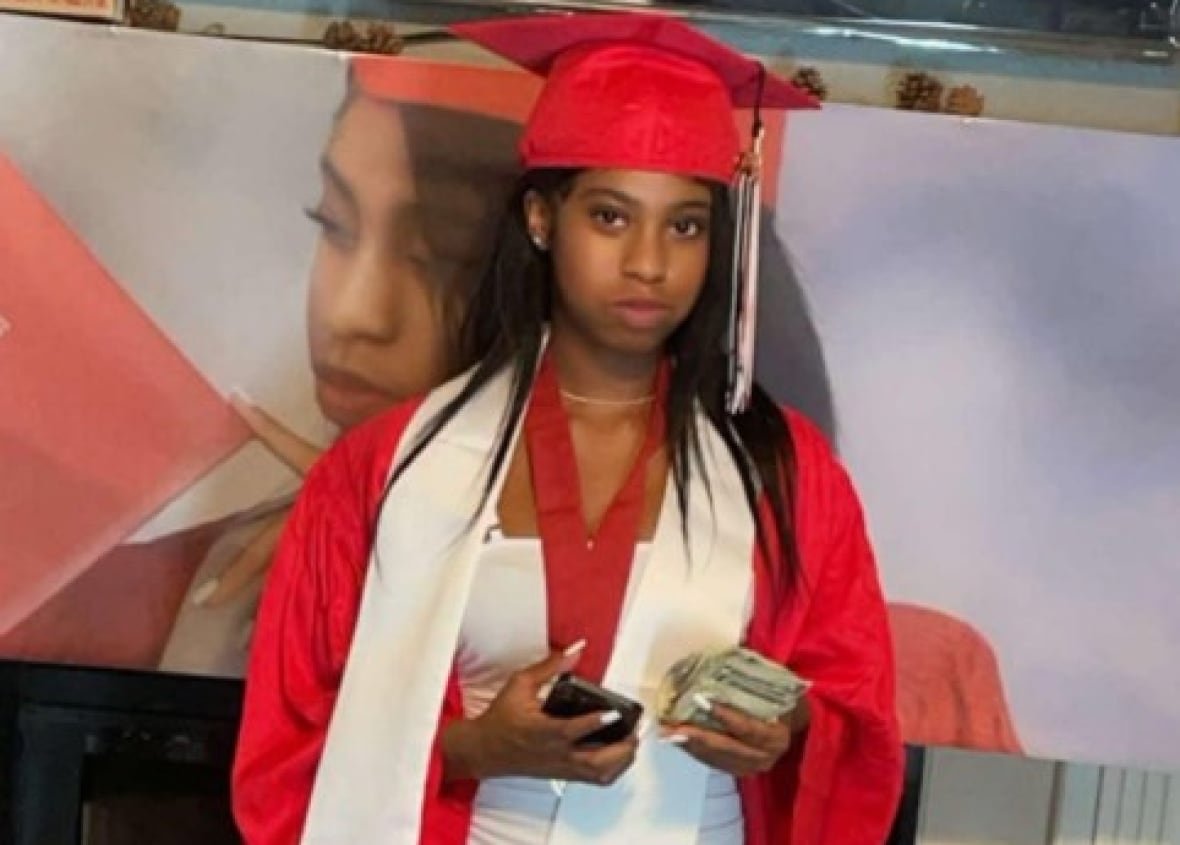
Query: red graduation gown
x=838, y=786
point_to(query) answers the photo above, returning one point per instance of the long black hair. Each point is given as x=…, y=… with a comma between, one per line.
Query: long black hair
x=504, y=327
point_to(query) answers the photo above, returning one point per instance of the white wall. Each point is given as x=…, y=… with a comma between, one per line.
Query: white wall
x=979, y=799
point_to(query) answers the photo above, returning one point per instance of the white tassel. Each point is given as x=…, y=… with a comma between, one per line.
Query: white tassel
x=743, y=308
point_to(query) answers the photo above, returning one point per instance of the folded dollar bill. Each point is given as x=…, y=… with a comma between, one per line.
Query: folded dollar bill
x=737, y=677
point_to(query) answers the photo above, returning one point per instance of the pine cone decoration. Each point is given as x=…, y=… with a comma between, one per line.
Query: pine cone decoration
x=153, y=14
x=919, y=92
x=376, y=38
x=381, y=38
x=339, y=35
x=810, y=80
x=965, y=100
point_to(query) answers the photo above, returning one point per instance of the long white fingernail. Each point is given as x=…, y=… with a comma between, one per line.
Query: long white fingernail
x=700, y=701
x=610, y=717
x=205, y=592
x=674, y=739
x=576, y=648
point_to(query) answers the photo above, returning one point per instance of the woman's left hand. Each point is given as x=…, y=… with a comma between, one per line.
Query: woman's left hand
x=748, y=746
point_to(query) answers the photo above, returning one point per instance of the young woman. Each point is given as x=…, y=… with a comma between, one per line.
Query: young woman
x=582, y=498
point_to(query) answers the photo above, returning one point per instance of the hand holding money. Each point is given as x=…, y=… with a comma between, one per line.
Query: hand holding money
x=733, y=710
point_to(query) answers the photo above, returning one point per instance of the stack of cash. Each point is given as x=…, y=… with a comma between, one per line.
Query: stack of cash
x=736, y=677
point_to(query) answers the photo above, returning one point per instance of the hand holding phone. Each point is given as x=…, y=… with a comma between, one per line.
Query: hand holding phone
x=530, y=729
x=574, y=696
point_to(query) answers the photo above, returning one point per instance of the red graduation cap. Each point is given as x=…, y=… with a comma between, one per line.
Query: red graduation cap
x=633, y=90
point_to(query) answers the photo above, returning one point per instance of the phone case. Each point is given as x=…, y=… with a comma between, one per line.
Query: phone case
x=573, y=696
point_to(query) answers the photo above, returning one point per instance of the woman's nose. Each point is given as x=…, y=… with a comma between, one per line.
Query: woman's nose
x=368, y=297
x=646, y=255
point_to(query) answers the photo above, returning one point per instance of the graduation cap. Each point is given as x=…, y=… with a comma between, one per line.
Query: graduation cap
x=642, y=91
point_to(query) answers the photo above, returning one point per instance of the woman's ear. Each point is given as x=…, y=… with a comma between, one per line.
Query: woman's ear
x=538, y=219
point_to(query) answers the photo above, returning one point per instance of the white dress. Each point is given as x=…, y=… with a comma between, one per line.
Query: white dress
x=504, y=629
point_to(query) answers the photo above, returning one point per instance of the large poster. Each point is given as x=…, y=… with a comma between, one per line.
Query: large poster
x=255, y=247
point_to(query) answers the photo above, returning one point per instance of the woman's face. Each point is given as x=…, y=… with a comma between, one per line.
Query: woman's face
x=375, y=327
x=630, y=252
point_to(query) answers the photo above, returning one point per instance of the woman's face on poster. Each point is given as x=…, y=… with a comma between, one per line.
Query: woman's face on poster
x=375, y=306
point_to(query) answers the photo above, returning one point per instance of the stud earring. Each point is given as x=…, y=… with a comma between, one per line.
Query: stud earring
x=539, y=242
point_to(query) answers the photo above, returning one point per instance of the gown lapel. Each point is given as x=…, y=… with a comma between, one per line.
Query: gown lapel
x=586, y=575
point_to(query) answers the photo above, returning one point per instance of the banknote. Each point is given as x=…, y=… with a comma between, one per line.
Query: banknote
x=737, y=677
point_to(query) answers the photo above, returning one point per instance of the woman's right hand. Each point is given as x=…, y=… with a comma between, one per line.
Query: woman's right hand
x=513, y=737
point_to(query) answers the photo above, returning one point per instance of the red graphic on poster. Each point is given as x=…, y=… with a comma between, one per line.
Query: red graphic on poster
x=102, y=420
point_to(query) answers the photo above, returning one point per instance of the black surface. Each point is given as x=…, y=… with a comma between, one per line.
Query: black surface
x=69, y=731
x=905, y=827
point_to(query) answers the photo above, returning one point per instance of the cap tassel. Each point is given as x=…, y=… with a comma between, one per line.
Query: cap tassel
x=743, y=306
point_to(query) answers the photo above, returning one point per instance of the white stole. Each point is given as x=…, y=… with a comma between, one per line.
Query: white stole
x=371, y=779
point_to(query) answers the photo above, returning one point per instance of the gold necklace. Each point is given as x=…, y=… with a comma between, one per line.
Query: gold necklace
x=614, y=403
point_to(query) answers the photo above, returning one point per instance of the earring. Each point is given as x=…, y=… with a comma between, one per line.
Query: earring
x=538, y=241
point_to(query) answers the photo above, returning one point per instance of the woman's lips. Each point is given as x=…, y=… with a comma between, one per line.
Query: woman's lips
x=347, y=398
x=641, y=314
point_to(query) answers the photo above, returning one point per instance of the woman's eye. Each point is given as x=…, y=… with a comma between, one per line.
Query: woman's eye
x=612, y=218
x=333, y=230
x=689, y=227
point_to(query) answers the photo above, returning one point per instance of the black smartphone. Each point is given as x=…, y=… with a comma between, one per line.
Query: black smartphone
x=574, y=696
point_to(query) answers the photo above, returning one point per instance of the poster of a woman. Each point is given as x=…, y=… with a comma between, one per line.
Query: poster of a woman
x=197, y=204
